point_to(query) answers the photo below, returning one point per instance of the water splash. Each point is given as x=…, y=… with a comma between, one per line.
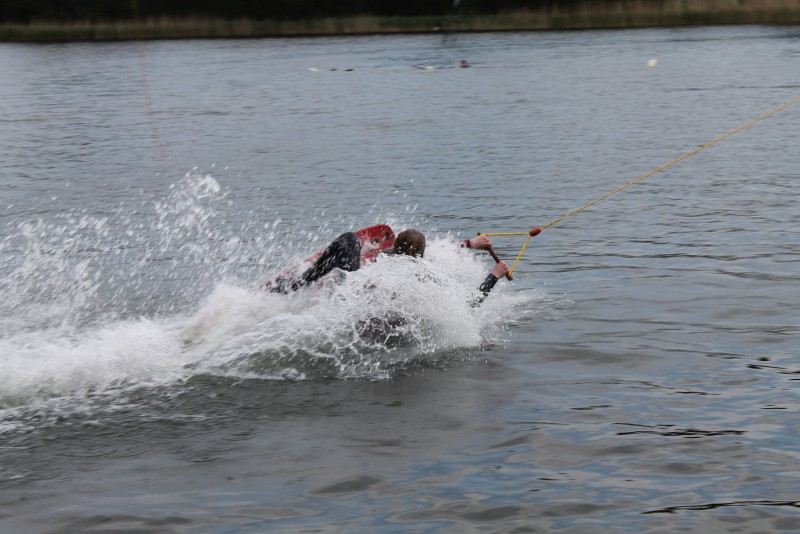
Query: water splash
x=362, y=325
x=152, y=295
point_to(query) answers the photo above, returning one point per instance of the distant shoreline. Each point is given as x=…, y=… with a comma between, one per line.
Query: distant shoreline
x=673, y=13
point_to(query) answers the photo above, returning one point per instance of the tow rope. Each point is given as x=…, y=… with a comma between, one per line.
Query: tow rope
x=538, y=229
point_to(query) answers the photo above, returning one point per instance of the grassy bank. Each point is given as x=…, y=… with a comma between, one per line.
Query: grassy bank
x=611, y=14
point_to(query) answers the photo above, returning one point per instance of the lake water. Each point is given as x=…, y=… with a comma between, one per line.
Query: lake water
x=639, y=374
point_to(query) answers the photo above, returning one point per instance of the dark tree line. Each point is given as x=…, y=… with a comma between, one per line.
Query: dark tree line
x=25, y=11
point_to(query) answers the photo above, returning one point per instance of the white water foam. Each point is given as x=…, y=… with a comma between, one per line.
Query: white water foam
x=389, y=312
x=87, y=312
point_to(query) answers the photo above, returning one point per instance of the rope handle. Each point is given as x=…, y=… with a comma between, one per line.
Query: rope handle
x=497, y=260
x=533, y=232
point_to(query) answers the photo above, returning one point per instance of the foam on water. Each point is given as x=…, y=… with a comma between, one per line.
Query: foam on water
x=96, y=307
x=358, y=325
x=52, y=363
x=363, y=325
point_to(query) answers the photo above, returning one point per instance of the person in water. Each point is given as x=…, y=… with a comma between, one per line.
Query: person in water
x=345, y=253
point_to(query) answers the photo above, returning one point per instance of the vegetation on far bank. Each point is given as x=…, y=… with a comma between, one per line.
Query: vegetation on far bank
x=148, y=22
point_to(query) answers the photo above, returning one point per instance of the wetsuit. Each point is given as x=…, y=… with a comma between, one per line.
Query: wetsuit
x=344, y=252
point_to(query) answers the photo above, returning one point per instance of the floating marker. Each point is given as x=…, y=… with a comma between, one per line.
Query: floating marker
x=652, y=63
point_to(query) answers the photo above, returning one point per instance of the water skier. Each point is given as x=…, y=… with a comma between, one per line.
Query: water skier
x=345, y=253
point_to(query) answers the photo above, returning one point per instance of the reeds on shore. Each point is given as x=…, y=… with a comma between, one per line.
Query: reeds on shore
x=607, y=14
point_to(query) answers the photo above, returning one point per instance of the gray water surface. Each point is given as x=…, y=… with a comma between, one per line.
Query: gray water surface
x=638, y=375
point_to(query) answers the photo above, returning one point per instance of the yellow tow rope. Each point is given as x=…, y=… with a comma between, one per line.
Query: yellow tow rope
x=535, y=231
